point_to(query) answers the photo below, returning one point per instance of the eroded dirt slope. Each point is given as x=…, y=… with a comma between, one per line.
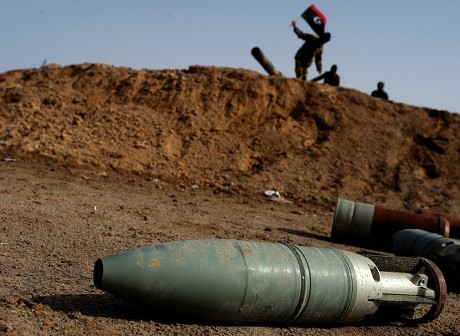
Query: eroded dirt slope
x=233, y=129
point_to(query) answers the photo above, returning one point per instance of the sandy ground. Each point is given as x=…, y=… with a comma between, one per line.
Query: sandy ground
x=97, y=160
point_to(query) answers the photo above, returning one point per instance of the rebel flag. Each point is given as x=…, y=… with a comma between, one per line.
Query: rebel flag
x=315, y=19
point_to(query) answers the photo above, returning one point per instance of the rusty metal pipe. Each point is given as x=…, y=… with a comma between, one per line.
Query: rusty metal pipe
x=453, y=220
x=364, y=224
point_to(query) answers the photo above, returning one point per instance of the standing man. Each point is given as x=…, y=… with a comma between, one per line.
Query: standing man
x=330, y=77
x=380, y=93
x=311, y=49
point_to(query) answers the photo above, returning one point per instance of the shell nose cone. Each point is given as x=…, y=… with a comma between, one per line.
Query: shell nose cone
x=219, y=279
x=98, y=273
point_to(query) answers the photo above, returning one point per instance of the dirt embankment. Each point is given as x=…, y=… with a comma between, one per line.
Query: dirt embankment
x=233, y=130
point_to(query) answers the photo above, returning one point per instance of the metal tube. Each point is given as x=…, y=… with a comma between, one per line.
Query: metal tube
x=368, y=225
x=265, y=62
x=444, y=252
x=256, y=282
x=453, y=220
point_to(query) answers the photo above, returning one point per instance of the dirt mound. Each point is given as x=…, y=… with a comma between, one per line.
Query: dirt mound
x=233, y=130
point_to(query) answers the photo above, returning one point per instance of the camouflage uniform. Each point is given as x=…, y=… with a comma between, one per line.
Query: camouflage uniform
x=312, y=48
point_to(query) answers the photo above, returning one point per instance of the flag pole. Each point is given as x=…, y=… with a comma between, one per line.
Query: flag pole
x=293, y=22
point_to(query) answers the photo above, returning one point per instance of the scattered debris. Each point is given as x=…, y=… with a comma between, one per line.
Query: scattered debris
x=272, y=193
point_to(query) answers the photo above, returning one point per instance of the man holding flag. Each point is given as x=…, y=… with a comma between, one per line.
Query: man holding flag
x=313, y=46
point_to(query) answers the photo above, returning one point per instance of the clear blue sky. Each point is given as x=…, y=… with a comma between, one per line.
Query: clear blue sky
x=412, y=46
